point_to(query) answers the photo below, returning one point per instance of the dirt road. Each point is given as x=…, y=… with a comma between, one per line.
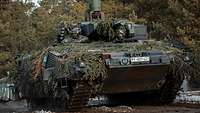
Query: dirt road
x=178, y=108
x=146, y=109
x=21, y=107
x=140, y=109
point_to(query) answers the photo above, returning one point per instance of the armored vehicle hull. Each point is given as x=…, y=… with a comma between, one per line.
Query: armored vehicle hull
x=69, y=75
x=137, y=78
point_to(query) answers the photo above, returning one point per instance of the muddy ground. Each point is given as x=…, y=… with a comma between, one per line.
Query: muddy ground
x=146, y=109
x=186, y=102
x=21, y=107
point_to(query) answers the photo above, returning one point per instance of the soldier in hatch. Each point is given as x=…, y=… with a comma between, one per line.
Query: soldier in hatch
x=71, y=34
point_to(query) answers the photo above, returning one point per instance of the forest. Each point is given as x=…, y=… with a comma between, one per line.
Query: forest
x=25, y=28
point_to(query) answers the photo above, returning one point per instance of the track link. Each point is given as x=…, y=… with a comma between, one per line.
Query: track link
x=80, y=96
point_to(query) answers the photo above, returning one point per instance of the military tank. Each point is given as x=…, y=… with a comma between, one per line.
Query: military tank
x=88, y=61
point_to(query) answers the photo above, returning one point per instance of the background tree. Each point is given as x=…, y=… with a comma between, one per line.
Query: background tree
x=24, y=28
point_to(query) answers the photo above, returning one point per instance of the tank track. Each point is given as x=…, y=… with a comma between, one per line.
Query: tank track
x=170, y=88
x=79, y=97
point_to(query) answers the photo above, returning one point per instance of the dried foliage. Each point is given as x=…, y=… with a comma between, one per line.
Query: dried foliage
x=90, y=55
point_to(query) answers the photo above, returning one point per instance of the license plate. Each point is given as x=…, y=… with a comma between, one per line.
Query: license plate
x=140, y=59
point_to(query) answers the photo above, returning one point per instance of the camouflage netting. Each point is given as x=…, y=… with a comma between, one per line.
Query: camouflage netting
x=100, y=47
x=180, y=67
x=90, y=55
x=105, y=31
x=108, y=30
x=95, y=67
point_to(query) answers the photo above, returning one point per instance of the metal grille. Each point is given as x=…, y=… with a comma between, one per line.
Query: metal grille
x=6, y=90
x=51, y=59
